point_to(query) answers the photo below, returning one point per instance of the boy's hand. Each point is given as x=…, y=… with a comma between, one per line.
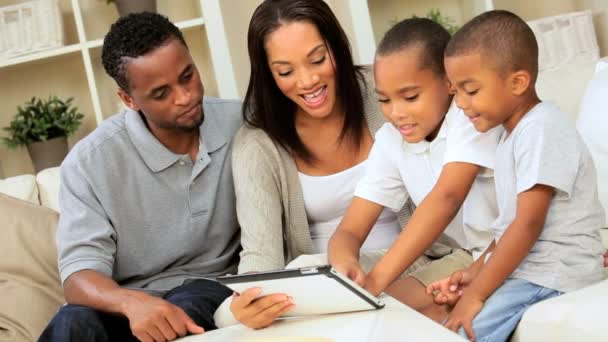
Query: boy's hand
x=463, y=314
x=450, y=288
x=353, y=271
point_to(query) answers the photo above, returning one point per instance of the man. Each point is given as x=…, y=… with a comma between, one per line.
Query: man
x=148, y=209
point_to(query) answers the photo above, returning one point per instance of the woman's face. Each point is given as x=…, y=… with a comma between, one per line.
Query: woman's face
x=303, y=68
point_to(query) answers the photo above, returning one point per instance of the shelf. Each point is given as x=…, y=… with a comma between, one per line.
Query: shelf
x=185, y=25
x=41, y=55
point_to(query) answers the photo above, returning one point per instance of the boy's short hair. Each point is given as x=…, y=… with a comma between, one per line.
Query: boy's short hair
x=133, y=36
x=501, y=37
x=418, y=32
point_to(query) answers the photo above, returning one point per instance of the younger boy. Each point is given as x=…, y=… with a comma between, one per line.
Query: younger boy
x=407, y=159
x=547, y=232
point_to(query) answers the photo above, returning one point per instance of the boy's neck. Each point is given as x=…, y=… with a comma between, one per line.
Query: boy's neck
x=520, y=110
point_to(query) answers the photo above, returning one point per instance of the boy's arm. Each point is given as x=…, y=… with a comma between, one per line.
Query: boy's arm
x=430, y=219
x=345, y=243
x=513, y=247
x=515, y=244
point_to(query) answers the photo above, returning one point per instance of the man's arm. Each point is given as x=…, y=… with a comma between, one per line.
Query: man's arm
x=150, y=318
x=346, y=242
x=430, y=219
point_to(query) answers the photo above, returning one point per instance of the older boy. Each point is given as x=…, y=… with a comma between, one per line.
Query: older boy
x=547, y=232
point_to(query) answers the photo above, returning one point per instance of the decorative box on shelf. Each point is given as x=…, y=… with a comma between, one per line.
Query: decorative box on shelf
x=30, y=27
x=565, y=39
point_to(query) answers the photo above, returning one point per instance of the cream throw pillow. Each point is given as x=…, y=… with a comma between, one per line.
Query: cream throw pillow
x=592, y=123
x=23, y=187
x=30, y=289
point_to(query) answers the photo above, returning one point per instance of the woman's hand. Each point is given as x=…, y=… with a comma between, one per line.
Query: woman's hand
x=257, y=313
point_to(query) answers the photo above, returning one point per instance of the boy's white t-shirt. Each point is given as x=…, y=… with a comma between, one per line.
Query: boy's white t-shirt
x=396, y=170
x=545, y=148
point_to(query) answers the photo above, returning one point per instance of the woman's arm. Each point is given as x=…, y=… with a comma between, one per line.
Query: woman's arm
x=258, y=204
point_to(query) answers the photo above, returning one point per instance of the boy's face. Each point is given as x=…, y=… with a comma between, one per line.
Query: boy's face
x=165, y=86
x=413, y=99
x=484, y=95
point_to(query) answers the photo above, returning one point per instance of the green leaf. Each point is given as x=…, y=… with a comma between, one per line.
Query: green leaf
x=42, y=119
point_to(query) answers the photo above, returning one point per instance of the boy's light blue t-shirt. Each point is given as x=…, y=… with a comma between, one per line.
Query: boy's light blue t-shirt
x=545, y=148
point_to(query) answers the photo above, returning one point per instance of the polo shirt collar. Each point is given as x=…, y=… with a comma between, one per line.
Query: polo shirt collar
x=424, y=145
x=158, y=157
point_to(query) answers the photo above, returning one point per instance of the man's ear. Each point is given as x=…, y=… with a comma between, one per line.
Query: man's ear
x=520, y=82
x=127, y=99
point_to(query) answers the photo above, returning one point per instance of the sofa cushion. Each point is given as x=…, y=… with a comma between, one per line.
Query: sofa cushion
x=22, y=187
x=30, y=290
x=592, y=123
x=48, y=181
x=565, y=86
x=574, y=316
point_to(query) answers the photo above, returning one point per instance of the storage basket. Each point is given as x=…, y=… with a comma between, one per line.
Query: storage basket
x=565, y=39
x=30, y=27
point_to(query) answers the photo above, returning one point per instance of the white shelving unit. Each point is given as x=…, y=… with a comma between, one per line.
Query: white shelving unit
x=216, y=32
x=75, y=70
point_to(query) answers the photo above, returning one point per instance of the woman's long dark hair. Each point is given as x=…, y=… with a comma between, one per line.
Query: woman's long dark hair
x=266, y=107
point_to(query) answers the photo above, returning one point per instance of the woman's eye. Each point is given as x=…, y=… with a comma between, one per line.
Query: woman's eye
x=411, y=98
x=319, y=61
x=283, y=74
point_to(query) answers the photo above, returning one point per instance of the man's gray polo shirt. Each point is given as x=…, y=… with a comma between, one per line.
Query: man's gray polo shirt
x=143, y=215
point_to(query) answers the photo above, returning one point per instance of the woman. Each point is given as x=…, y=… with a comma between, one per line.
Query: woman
x=310, y=118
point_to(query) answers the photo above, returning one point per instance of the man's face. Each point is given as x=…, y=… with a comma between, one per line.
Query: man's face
x=482, y=92
x=166, y=87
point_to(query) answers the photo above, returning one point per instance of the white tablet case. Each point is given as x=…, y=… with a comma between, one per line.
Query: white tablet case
x=315, y=290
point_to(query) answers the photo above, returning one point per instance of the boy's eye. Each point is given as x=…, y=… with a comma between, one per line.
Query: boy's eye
x=381, y=100
x=411, y=98
x=160, y=95
x=319, y=61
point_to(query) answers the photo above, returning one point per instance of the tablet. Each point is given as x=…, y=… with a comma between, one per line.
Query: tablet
x=315, y=290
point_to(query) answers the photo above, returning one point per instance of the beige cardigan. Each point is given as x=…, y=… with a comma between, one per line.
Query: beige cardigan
x=270, y=204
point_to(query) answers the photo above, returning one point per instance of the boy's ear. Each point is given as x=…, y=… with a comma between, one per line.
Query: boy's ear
x=520, y=82
x=127, y=99
x=451, y=88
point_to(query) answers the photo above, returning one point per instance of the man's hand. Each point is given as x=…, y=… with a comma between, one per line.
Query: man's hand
x=353, y=271
x=257, y=313
x=448, y=290
x=463, y=314
x=155, y=319
x=606, y=259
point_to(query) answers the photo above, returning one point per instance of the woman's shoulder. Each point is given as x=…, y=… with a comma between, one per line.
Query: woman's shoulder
x=254, y=146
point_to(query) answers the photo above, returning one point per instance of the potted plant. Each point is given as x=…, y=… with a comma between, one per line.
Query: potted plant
x=134, y=6
x=43, y=125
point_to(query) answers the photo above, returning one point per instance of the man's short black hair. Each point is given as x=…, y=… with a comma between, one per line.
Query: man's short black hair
x=502, y=38
x=431, y=37
x=133, y=36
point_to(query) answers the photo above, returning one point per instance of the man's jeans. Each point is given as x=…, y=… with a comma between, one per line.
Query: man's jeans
x=198, y=298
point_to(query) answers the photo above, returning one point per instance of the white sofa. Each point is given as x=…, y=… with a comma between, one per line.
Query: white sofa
x=574, y=316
